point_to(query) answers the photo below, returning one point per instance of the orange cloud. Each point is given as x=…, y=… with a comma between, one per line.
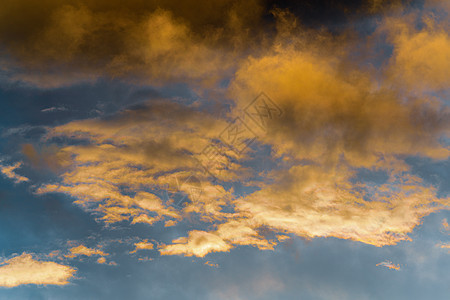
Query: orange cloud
x=144, y=245
x=208, y=263
x=389, y=264
x=101, y=260
x=445, y=224
x=444, y=246
x=145, y=151
x=8, y=171
x=338, y=119
x=83, y=250
x=23, y=269
x=199, y=243
x=227, y=236
x=421, y=57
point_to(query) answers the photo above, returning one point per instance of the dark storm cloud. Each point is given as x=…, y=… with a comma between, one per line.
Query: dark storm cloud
x=54, y=43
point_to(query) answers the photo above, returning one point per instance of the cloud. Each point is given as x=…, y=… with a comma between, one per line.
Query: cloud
x=23, y=269
x=421, y=56
x=389, y=265
x=208, y=263
x=8, y=171
x=83, y=250
x=101, y=260
x=143, y=245
x=54, y=109
x=339, y=120
x=59, y=43
x=444, y=246
x=139, y=151
x=199, y=243
x=445, y=225
x=46, y=157
x=228, y=235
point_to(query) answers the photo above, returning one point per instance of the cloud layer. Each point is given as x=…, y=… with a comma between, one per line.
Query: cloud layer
x=349, y=119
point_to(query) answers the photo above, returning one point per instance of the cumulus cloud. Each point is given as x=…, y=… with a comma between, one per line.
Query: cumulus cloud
x=24, y=269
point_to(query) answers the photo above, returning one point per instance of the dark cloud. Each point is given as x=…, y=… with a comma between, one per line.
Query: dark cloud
x=54, y=43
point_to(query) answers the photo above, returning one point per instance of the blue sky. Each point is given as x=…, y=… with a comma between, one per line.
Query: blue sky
x=165, y=152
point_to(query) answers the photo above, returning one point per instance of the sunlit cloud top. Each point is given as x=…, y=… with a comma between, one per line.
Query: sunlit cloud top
x=197, y=129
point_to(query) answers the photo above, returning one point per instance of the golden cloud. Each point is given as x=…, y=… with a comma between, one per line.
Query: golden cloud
x=199, y=243
x=137, y=151
x=143, y=245
x=445, y=225
x=101, y=260
x=23, y=269
x=339, y=119
x=421, y=56
x=8, y=171
x=83, y=250
x=389, y=265
x=235, y=232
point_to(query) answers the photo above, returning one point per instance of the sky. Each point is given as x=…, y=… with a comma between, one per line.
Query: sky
x=224, y=149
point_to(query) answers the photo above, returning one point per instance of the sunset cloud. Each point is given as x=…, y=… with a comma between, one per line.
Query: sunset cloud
x=336, y=121
x=269, y=137
x=445, y=225
x=83, y=250
x=143, y=245
x=389, y=265
x=199, y=243
x=8, y=171
x=23, y=269
x=228, y=235
x=421, y=57
x=60, y=43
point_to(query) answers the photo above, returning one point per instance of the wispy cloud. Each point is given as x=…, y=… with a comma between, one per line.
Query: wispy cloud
x=211, y=264
x=445, y=225
x=8, y=171
x=83, y=250
x=388, y=264
x=54, y=109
